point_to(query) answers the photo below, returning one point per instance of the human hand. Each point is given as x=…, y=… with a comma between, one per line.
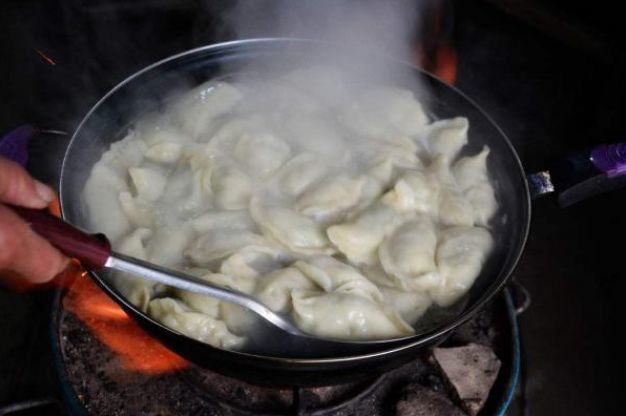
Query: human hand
x=22, y=251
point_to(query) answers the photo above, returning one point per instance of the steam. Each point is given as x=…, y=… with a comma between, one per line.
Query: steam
x=384, y=27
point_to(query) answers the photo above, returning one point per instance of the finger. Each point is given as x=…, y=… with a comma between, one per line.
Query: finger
x=19, y=188
x=26, y=253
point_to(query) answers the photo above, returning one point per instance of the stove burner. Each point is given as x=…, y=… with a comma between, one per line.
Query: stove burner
x=95, y=381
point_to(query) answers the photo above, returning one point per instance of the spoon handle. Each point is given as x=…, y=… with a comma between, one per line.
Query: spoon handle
x=92, y=250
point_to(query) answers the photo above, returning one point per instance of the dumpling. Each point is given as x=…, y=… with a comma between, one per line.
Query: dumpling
x=410, y=305
x=295, y=231
x=254, y=261
x=384, y=110
x=175, y=315
x=138, y=291
x=199, y=108
x=460, y=255
x=126, y=153
x=165, y=144
x=198, y=302
x=359, y=238
x=262, y=153
x=214, y=220
x=104, y=209
x=346, y=316
x=238, y=319
x=453, y=208
x=414, y=192
x=219, y=243
x=232, y=188
x=134, y=244
x=148, y=183
x=299, y=173
x=471, y=175
x=274, y=289
x=408, y=254
x=332, y=275
x=157, y=134
x=188, y=191
x=167, y=245
x=139, y=212
x=330, y=197
x=227, y=135
x=166, y=152
x=446, y=137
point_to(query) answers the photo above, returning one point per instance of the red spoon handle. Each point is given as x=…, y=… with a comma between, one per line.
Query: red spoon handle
x=92, y=250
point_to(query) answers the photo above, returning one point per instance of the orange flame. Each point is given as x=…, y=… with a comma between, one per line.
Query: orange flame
x=136, y=349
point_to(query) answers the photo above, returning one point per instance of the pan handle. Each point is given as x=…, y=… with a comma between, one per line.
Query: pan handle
x=582, y=174
x=92, y=250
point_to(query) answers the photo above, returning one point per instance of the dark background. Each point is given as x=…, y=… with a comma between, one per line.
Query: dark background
x=549, y=72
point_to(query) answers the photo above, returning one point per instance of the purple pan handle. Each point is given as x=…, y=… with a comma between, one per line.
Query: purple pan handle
x=610, y=158
x=583, y=174
x=14, y=145
x=92, y=250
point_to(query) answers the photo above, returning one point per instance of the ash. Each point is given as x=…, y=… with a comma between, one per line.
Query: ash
x=104, y=387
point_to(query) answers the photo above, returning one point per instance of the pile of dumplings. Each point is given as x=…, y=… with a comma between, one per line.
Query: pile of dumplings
x=349, y=210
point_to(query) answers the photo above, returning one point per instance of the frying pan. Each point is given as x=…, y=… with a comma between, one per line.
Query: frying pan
x=149, y=89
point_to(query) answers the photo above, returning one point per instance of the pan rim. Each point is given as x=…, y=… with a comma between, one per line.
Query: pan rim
x=421, y=339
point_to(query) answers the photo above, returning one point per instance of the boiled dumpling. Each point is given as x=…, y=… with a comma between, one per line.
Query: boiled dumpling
x=330, y=197
x=137, y=291
x=232, y=188
x=346, y=316
x=385, y=110
x=262, y=153
x=360, y=237
x=148, y=183
x=410, y=305
x=299, y=173
x=453, y=208
x=408, y=254
x=460, y=255
x=199, y=108
x=446, y=137
x=254, y=261
x=413, y=192
x=214, y=220
x=274, y=289
x=295, y=231
x=197, y=301
x=471, y=175
x=104, y=208
x=138, y=212
x=220, y=243
x=166, y=152
x=175, y=315
x=167, y=245
x=332, y=275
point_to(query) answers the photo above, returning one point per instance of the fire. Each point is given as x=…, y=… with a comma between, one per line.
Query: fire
x=135, y=348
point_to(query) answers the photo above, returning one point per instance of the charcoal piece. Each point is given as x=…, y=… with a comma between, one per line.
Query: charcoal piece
x=471, y=371
x=418, y=400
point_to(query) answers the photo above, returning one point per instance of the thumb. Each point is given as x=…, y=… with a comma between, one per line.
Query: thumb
x=19, y=188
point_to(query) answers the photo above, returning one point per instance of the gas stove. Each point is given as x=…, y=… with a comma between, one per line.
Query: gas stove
x=107, y=365
x=550, y=76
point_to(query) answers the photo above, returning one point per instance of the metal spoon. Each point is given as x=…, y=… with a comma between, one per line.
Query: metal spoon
x=94, y=252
